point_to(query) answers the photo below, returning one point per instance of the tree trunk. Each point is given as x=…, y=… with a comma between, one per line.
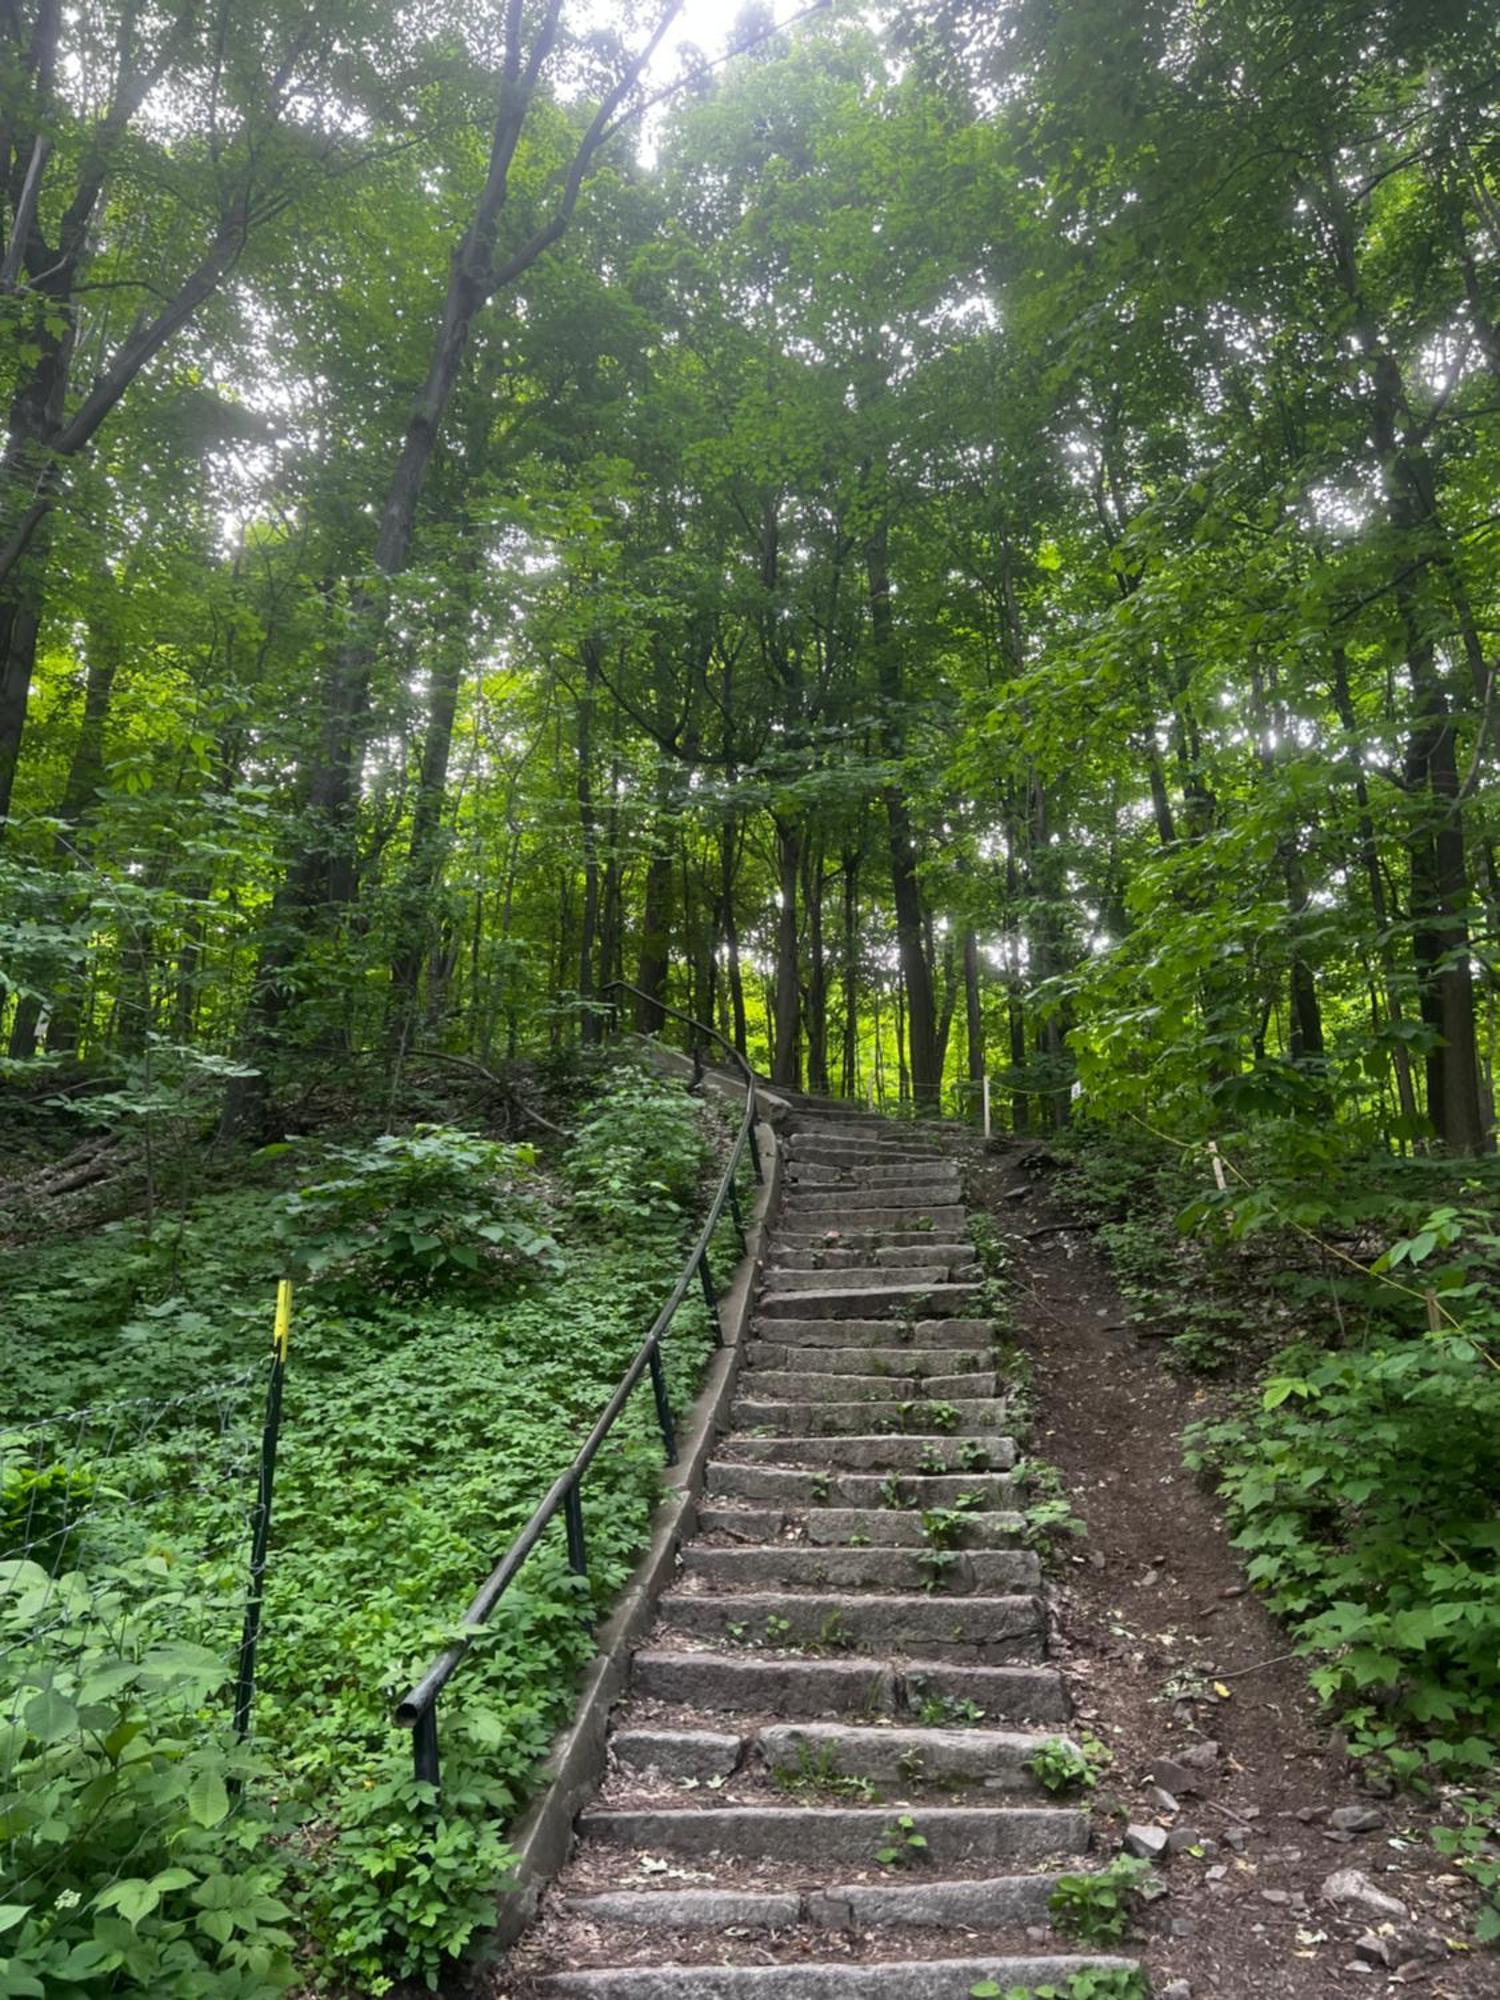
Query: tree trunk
x=974, y=1021
x=786, y=1069
x=916, y=973
x=850, y=1079
x=817, y=972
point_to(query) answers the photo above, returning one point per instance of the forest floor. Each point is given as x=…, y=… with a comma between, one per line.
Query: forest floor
x=1152, y=1611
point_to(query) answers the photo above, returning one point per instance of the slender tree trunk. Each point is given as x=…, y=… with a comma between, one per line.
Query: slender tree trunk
x=1379, y=909
x=850, y=1080
x=588, y=820
x=817, y=972
x=974, y=1020
x=731, y=930
x=916, y=972
x=655, y=960
x=787, y=1004
x=427, y=851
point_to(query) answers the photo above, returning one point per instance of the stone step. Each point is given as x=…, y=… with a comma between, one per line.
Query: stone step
x=816, y=1236
x=919, y=1458
x=913, y=1334
x=903, y=1979
x=825, y=1257
x=821, y=1753
x=870, y=1173
x=991, y=1903
x=911, y=1364
x=855, y=1201
x=946, y=1572
x=855, y=1527
x=960, y=1416
x=814, y=1385
x=865, y=1277
x=799, y=1835
x=984, y=1631
x=897, y=1487
x=748, y=1684
x=997, y=1759
x=704, y=1755
x=948, y=1220
x=845, y=1527
x=918, y=1302
x=813, y=1149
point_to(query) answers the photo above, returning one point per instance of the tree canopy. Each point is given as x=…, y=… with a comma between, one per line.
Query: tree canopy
x=951, y=540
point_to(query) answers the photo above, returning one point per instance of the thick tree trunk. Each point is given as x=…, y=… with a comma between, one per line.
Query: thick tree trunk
x=655, y=960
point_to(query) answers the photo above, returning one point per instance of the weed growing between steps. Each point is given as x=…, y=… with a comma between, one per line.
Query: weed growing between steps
x=1061, y=1766
x=463, y=1315
x=1353, y=1304
x=1097, y=1908
x=1094, y=1983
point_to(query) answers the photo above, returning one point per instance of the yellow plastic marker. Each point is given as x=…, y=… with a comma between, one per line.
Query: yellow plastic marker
x=281, y=1337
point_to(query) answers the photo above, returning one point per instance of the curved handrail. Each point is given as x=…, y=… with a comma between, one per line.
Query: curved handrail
x=417, y=1710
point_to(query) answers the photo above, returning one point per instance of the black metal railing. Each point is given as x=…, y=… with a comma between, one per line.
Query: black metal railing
x=417, y=1711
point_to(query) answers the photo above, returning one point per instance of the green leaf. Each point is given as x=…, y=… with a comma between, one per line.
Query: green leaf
x=50, y=1716
x=208, y=1799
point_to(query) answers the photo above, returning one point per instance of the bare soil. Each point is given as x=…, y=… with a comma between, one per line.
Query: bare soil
x=1164, y=1648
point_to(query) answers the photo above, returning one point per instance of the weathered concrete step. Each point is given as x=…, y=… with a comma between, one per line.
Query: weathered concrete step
x=815, y=1753
x=803, y=1173
x=922, y=1333
x=947, y=1572
x=905, y=1979
x=700, y=1754
x=861, y=1277
x=923, y=1458
x=950, y=1223
x=910, y=1195
x=990, y=1903
x=959, y=1417
x=819, y=1834
x=929, y=1301
x=819, y=1488
x=747, y=1684
x=812, y=1149
x=994, y=1758
x=857, y=1237
x=743, y=1684
x=815, y=1385
x=987, y=1631
x=966, y=1363
x=828, y=1257
x=843, y=1527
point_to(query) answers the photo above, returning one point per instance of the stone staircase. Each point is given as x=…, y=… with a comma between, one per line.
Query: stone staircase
x=819, y=1782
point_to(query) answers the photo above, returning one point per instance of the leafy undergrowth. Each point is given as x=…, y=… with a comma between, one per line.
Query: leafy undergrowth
x=464, y=1313
x=1353, y=1303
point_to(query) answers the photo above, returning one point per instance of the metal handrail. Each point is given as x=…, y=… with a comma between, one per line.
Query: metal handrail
x=417, y=1710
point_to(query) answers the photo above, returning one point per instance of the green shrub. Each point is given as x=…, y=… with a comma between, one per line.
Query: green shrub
x=132, y=1867
x=1362, y=1490
x=639, y=1155
x=415, y=1209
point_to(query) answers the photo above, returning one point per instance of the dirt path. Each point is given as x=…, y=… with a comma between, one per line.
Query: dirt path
x=1152, y=1611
